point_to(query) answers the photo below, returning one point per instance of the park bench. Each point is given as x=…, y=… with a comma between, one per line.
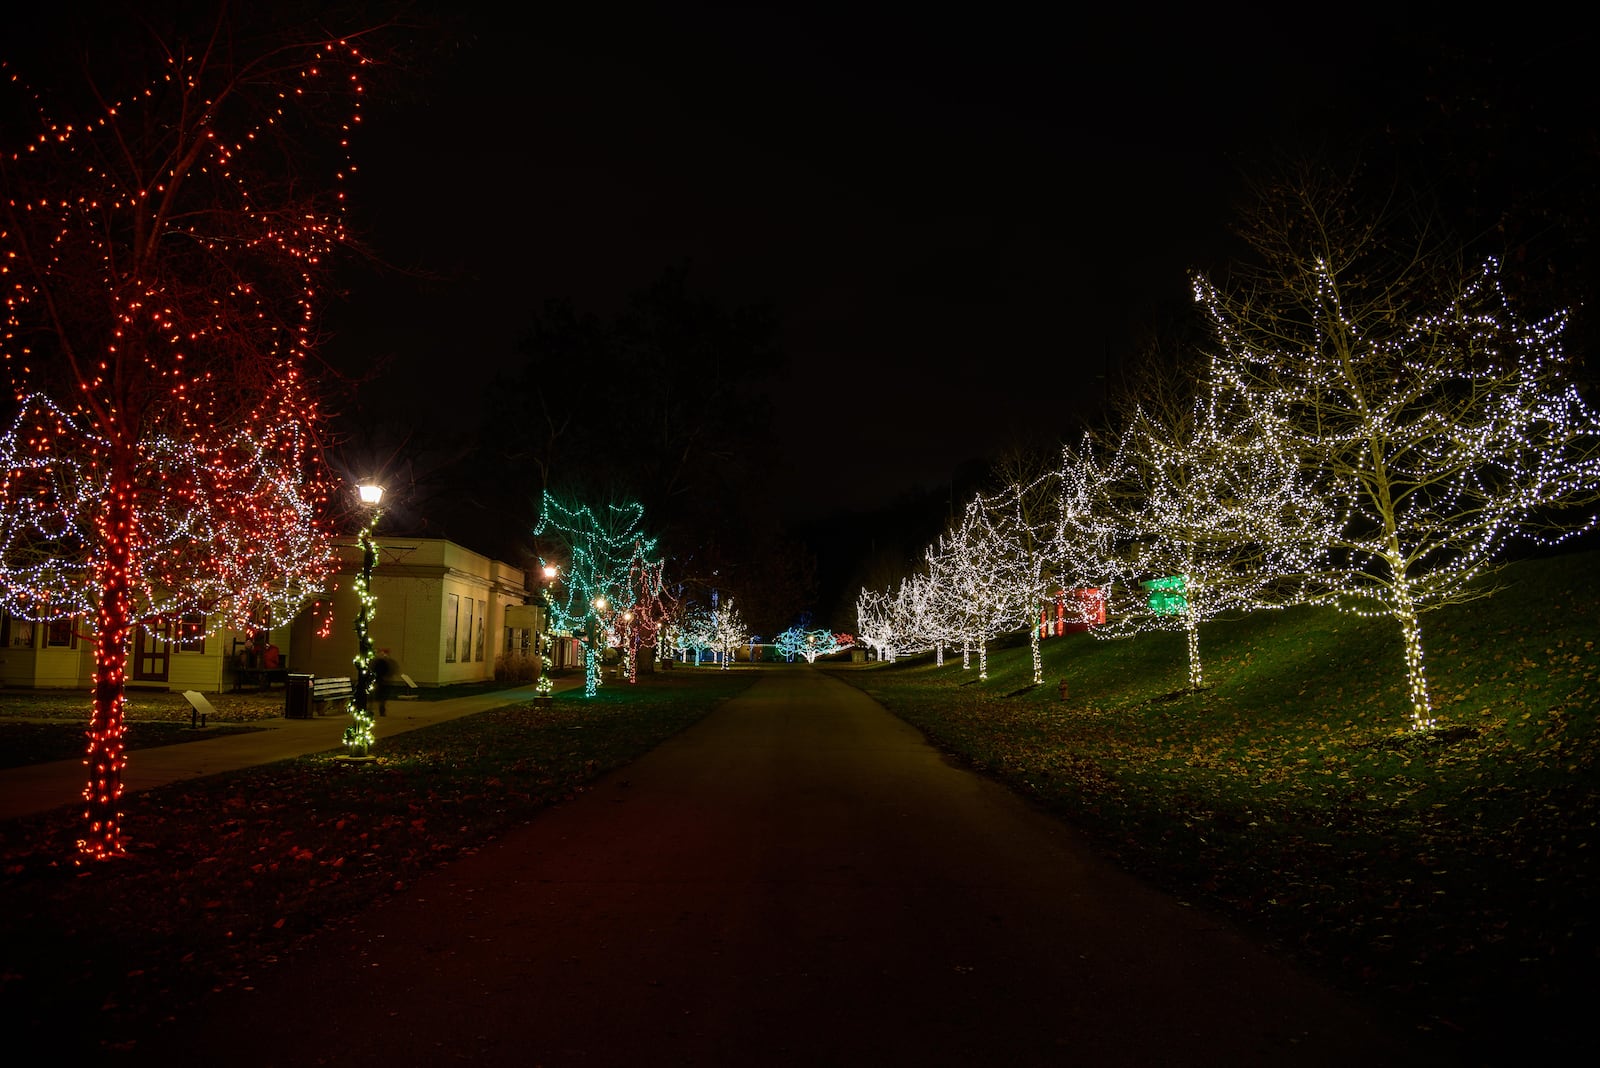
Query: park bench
x=262, y=677
x=332, y=688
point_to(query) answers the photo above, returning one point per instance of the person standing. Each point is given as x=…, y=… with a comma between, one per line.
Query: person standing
x=384, y=669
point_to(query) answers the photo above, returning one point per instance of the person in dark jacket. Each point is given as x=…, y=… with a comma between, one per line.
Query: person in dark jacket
x=384, y=672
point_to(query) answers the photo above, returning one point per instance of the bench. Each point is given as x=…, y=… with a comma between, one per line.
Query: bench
x=261, y=676
x=332, y=688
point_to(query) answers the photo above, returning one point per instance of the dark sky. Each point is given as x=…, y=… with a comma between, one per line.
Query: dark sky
x=963, y=215
x=959, y=213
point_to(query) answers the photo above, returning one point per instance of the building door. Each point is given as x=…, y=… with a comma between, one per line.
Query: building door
x=152, y=649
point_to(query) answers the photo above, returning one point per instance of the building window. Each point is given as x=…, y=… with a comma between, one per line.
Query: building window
x=466, y=639
x=189, y=633
x=19, y=633
x=452, y=623
x=61, y=634
x=483, y=614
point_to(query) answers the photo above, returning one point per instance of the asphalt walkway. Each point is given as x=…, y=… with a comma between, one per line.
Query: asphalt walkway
x=798, y=880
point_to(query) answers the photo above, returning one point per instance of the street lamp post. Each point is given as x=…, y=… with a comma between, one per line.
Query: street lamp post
x=358, y=736
x=546, y=686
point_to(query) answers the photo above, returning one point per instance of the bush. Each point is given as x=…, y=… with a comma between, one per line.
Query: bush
x=517, y=667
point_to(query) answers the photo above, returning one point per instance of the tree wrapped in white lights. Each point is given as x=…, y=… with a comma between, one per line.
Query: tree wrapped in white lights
x=948, y=594
x=1201, y=514
x=926, y=622
x=983, y=601
x=1443, y=428
x=875, y=622
x=1021, y=521
x=728, y=631
x=914, y=617
x=693, y=631
x=1085, y=545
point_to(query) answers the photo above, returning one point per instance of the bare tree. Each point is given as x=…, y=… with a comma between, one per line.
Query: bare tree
x=1421, y=406
x=1199, y=512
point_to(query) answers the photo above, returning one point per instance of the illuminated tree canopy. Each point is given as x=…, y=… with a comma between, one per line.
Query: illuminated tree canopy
x=1434, y=419
x=1198, y=513
x=810, y=644
x=608, y=569
x=164, y=237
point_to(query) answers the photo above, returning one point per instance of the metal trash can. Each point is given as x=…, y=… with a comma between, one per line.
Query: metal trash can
x=297, y=696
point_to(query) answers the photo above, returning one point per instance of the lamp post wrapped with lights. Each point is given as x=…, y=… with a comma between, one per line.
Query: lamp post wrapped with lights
x=358, y=736
x=545, y=687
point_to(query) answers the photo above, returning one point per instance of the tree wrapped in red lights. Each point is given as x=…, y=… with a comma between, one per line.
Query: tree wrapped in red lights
x=163, y=242
x=651, y=608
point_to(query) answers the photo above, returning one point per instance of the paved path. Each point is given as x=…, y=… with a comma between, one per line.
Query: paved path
x=798, y=880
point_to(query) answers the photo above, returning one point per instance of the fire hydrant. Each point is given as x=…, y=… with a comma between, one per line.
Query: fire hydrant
x=1063, y=686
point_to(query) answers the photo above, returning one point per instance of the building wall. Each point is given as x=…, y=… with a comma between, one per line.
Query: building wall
x=413, y=583
x=28, y=661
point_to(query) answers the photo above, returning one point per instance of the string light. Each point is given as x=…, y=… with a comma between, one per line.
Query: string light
x=358, y=735
x=611, y=570
x=810, y=644
x=1195, y=514
x=1438, y=437
x=718, y=627
x=157, y=321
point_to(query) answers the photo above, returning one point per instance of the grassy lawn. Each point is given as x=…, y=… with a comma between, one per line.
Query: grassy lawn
x=1446, y=879
x=231, y=873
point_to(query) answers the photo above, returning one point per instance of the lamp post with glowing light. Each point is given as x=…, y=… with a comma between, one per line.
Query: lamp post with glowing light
x=358, y=737
x=546, y=686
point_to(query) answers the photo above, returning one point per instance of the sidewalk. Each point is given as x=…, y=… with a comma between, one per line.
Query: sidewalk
x=41, y=787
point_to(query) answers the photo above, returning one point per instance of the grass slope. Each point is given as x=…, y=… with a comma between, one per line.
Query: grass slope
x=1447, y=878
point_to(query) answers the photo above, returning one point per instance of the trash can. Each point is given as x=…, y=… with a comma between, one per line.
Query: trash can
x=297, y=696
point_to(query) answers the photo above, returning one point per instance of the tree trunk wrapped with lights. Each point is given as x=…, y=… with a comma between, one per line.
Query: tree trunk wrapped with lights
x=1439, y=424
x=610, y=570
x=163, y=249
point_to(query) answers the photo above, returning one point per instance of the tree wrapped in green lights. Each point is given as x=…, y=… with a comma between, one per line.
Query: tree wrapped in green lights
x=810, y=644
x=607, y=557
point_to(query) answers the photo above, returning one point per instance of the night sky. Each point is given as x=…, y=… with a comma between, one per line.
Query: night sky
x=962, y=217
